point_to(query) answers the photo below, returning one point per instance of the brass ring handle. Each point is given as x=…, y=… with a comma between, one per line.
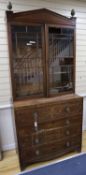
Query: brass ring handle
x=67, y=109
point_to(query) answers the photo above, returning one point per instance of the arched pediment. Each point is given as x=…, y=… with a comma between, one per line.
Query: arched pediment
x=41, y=16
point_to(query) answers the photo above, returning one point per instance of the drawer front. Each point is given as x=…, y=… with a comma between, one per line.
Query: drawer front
x=32, y=116
x=60, y=123
x=52, y=134
x=64, y=122
x=47, y=151
x=47, y=135
x=55, y=112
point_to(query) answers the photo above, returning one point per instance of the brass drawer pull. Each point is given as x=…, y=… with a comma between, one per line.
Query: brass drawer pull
x=35, y=124
x=67, y=144
x=36, y=140
x=35, y=114
x=67, y=132
x=37, y=152
x=67, y=122
x=67, y=109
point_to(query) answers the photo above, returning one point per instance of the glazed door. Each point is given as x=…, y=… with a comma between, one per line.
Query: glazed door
x=60, y=60
x=27, y=55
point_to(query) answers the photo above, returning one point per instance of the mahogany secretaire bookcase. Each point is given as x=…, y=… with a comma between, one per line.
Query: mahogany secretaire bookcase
x=48, y=114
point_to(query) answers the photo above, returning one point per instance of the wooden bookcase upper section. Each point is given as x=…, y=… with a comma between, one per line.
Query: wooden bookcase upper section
x=42, y=53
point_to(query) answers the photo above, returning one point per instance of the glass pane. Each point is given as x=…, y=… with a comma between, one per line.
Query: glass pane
x=60, y=60
x=27, y=60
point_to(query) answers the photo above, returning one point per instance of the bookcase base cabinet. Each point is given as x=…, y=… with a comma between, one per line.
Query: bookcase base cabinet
x=48, y=128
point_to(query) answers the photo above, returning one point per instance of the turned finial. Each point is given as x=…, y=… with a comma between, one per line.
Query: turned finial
x=72, y=13
x=9, y=6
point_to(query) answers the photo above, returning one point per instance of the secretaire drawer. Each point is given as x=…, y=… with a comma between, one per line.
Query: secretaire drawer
x=36, y=126
x=49, y=113
x=64, y=122
x=55, y=112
